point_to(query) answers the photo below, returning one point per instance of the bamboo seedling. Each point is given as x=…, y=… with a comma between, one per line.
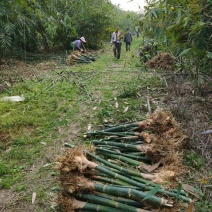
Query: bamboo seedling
x=133, y=162
x=125, y=201
x=107, y=202
x=71, y=203
x=162, y=191
x=84, y=184
x=100, y=150
x=106, y=180
x=140, y=148
x=80, y=163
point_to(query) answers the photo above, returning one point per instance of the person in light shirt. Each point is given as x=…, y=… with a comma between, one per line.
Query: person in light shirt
x=116, y=42
x=78, y=45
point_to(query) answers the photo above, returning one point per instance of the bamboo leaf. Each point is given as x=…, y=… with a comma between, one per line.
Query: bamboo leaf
x=154, y=166
x=179, y=16
x=190, y=190
x=185, y=52
x=209, y=54
x=116, y=105
x=154, y=13
x=33, y=197
x=125, y=109
x=152, y=192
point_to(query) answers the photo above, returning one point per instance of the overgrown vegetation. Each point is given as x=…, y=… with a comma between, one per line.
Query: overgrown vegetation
x=52, y=24
x=182, y=28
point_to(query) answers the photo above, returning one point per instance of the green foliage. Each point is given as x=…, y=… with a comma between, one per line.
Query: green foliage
x=32, y=25
x=203, y=205
x=35, y=25
x=184, y=27
x=3, y=168
x=195, y=160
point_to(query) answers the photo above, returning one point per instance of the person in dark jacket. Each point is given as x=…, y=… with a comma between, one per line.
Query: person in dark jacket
x=128, y=39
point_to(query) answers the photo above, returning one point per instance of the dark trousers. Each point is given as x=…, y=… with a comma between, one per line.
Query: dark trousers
x=117, y=49
x=128, y=46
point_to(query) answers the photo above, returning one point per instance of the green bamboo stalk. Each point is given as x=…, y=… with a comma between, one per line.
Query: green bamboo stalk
x=130, y=181
x=102, y=201
x=135, y=153
x=138, y=184
x=106, y=180
x=75, y=204
x=121, y=127
x=123, y=134
x=132, y=138
x=138, y=179
x=122, y=200
x=123, y=159
x=127, y=146
x=123, y=154
x=181, y=192
x=100, y=208
x=120, y=177
x=130, y=193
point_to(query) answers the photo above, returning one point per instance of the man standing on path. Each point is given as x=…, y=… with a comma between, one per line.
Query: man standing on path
x=128, y=39
x=116, y=42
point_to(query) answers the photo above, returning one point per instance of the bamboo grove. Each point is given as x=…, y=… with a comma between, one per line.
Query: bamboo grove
x=128, y=167
x=183, y=28
x=33, y=25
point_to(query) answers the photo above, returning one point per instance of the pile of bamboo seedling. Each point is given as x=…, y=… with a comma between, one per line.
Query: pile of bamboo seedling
x=131, y=167
x=79, y=57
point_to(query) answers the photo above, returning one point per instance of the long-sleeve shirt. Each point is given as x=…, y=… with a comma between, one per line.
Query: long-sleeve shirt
x=116, y=37
x=77, y=43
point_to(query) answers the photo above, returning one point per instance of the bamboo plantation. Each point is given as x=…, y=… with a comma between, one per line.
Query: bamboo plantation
x=85, y=131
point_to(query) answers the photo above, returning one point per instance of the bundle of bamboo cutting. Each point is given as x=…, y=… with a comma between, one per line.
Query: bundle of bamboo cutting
x=116, y=172
x=80, y=57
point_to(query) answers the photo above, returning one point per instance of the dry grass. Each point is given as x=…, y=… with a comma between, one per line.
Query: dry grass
x=162, y=60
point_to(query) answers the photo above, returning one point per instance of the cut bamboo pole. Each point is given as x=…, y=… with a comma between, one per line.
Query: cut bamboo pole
x=125, y=179
x=74, y=204
x=127, y=160
x=122, y=200
x=140, y=148
x=123, y=127
x=123, y=154
x=132, y=182
x=124, y=192
x=107, y=180
x=107, y=202
x=121, y=134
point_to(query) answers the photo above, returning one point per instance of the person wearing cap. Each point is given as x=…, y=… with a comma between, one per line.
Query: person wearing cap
x=78, y=44
x=116, y=42
x=128, y=39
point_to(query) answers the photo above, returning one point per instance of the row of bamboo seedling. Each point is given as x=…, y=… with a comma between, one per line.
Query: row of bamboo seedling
x=129, y=167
